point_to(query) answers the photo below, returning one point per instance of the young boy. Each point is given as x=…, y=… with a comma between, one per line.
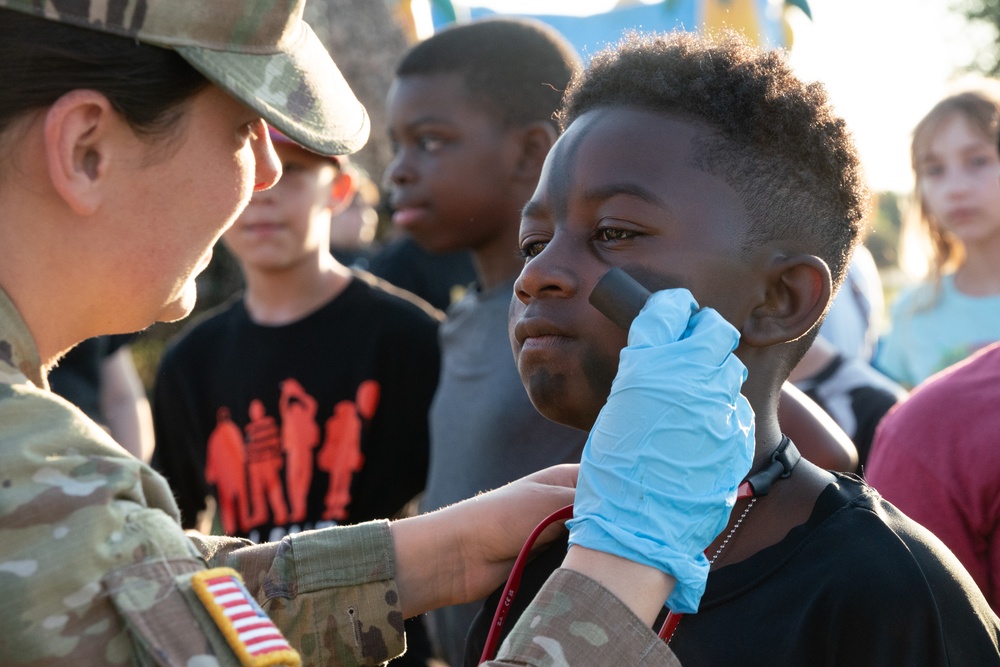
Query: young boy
x=303, y=402
x=709, y=166
x=470, y=115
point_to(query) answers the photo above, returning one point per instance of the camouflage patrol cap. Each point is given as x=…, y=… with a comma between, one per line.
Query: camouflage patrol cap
x=260, y=51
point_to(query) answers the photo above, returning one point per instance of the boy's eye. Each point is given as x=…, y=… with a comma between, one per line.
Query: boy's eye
x=614, y=234
x=429, y=143
x=531, y=249
x=933, y=170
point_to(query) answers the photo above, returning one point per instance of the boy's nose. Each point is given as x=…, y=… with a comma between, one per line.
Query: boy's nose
x=267, y=166
x=553, y=272
x=399, y=171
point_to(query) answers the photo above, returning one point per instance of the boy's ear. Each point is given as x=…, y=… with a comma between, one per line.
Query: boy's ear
x=341, y=191
x=535, y=140
x=77, y=149
x=797, y=294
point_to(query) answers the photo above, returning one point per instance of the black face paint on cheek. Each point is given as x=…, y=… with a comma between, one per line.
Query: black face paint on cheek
x=546, y=389
x=653, y=280
x=599, y=371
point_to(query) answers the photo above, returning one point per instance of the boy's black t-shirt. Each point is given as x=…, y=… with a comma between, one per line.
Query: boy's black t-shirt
x=858, y=584
x=267, y=417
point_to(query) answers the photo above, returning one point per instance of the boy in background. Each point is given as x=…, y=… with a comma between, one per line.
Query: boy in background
x=303, y=401
x=708, y=166
x=470, y=117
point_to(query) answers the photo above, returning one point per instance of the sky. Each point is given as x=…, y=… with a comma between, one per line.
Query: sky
x=884, y=63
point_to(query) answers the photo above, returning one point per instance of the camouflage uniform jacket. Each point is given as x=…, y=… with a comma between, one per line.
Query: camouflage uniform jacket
x=575, y=621
x=95, y=569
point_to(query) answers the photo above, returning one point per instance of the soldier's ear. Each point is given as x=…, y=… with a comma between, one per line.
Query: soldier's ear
x=78, y=147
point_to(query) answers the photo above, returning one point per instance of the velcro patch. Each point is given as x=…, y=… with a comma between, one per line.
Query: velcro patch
x=248, y=629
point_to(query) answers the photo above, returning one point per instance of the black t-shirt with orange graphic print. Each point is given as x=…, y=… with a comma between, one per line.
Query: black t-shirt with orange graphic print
x=314, y=423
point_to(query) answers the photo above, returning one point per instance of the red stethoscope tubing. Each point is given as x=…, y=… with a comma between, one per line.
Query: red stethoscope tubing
x=514, y=580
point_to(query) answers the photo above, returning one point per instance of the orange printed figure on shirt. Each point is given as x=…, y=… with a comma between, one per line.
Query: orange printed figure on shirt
x=265, y=462
x=225, y=468
x=299, y=436
x=341, y=453
x=367, y=398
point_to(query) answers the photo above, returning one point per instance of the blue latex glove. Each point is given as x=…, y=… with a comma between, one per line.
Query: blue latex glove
x=662, y=465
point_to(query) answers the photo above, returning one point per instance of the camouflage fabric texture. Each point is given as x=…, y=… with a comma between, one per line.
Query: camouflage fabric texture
x=260, y=51
x=575, y=621
x=96, y=570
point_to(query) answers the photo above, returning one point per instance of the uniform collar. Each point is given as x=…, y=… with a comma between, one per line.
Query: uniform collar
x=19, y=359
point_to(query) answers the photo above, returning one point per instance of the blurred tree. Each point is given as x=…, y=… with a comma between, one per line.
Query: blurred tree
x=883, y=235
x=366, y=41
x=986, y=13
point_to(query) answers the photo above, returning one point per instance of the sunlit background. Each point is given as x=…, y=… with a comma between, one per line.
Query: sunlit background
x=885, y=62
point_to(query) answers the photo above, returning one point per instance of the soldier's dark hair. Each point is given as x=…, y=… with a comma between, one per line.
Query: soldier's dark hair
x=41, y=60
x=514, y=69
x=772, y=137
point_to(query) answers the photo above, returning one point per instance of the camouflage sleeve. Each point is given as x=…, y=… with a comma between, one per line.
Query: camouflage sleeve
x=575, y=621
x=332, y=592
x=95, y=567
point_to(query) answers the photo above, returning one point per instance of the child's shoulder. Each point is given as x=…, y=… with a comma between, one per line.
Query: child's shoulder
x=387, y=295
x=207, y=326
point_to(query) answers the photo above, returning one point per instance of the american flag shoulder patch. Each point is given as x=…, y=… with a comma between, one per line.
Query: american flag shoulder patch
x=248, y=629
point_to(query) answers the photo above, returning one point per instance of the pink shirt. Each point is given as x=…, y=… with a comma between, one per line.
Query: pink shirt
x=936, y=456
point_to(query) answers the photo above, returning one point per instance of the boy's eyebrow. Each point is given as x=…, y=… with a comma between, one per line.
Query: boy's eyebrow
x=534, y=209
x=537, y=209
x=605, y=192
x=428, y=120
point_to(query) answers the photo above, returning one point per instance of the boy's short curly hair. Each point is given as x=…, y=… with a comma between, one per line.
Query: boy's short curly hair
x=514, y=69
x=773, y=138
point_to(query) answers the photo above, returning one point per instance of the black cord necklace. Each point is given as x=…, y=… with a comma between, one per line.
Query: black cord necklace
x=783, y=461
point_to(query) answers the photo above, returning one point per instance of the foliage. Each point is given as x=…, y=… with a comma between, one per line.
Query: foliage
x=985, y=13
x=885, y=228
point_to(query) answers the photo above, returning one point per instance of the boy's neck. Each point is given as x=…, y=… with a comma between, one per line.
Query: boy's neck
x=763, y=397
x=276, y=298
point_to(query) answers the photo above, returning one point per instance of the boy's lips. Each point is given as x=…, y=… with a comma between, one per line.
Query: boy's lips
x=261, y=227
x=538, y=333
x=405, y=216
x=960, y=215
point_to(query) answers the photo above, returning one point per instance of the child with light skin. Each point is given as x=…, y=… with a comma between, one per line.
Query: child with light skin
x=706, y=167
x=956, y=310
x=276, y=233
x=301, y=310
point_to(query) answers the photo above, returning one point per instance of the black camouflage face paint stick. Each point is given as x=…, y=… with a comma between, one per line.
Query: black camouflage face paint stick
x=619, y=297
